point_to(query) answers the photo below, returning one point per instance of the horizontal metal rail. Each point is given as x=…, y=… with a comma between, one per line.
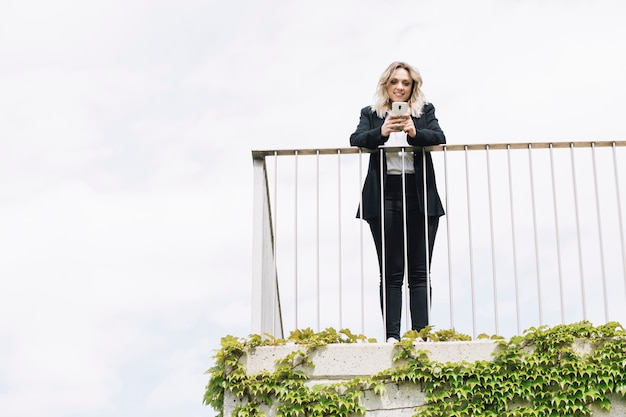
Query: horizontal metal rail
x=441, y=148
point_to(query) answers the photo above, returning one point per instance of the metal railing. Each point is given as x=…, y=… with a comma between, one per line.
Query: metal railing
x=533, y=234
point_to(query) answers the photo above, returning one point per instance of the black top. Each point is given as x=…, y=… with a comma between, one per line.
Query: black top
x=368, y=135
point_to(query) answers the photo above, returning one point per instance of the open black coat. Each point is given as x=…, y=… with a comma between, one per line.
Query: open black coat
x=368, y=135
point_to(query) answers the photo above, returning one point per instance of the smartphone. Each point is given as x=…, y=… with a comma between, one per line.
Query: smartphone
x=399, y=108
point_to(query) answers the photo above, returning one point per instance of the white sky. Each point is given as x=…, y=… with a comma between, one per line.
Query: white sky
x=125, y=169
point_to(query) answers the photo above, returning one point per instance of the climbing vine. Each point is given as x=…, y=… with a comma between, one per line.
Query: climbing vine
x=560, y=370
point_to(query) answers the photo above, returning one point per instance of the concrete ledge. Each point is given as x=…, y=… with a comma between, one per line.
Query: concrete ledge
x=340, y=362
x=349, y=360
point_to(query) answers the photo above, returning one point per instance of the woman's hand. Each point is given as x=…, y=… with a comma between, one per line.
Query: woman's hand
x=395, y=124
x=409, y=126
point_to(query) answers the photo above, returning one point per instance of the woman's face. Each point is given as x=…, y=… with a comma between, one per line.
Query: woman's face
x=400, y=85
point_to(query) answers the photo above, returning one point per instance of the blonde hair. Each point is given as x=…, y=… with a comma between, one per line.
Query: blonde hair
x=382, y=102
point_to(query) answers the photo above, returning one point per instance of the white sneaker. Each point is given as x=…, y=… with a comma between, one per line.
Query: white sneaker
x=392, y=340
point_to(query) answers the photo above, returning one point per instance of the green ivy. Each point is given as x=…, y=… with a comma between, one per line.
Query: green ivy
x=541, y=373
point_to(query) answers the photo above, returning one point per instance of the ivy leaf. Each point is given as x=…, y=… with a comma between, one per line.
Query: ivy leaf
x=380, y=389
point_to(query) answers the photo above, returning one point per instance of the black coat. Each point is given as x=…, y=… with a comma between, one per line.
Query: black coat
x=368, y=135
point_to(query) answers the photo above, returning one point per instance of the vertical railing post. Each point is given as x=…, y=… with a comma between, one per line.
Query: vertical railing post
x=448, y=235
x=535, y=232
x=557, y=229
x=383, y=263
x=513, y=238
x=266, y=315
x=317, y=240
x=405, y=246
x=295, y=239
x=339, y=266
x=493, y=248
x=362, y=270
x=596, y=187
x=426, y=235
x=578, y=232
x=469, y=232
x=619, y=213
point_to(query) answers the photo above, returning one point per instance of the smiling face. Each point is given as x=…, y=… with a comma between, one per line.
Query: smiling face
x=400, y=85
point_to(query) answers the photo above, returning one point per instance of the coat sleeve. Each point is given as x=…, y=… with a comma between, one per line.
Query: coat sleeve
x=366, y=134
x=427, y=130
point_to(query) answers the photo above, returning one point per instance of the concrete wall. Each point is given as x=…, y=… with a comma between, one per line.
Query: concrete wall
x=340, y=362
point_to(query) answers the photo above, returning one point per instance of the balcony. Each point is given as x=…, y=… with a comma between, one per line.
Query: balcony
x=533, y=235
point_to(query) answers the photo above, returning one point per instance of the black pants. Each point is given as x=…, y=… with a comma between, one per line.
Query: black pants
x=395, y=254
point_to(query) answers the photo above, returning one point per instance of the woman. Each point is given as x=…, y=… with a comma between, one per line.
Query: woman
x=400, y=82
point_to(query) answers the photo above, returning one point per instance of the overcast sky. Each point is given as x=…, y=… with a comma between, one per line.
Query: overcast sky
x=125, y=170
